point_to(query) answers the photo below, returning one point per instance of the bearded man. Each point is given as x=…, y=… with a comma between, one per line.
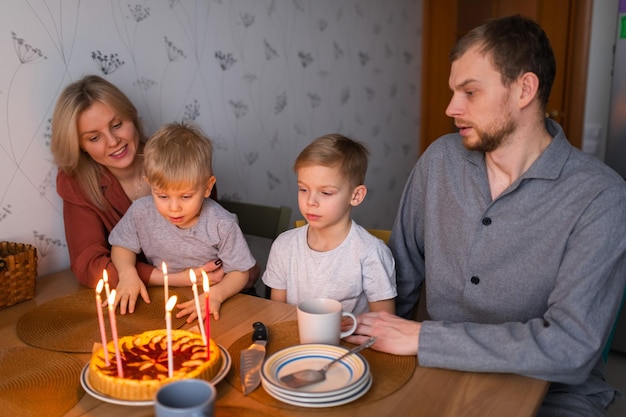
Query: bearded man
x=519, y=237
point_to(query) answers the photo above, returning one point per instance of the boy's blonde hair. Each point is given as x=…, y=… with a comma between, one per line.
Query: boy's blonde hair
x=177, y=155
x=335, y=150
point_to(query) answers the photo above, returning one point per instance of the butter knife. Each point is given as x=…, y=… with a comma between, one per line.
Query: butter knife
x=252, y=359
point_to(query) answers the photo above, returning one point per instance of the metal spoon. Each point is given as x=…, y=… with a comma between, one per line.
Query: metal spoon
x=306, y=377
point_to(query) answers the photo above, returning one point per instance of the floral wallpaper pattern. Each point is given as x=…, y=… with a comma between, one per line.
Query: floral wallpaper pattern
x=261, y=77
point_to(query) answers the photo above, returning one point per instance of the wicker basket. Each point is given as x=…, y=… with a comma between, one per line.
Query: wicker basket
x=18, y=273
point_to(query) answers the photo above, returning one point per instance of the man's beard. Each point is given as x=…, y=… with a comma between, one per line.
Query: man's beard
x=490, y=140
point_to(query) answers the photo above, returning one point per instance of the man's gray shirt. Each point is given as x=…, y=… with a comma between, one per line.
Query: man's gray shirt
x=528, y=283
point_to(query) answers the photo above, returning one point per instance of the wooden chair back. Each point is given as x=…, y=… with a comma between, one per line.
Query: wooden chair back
x=259, y=220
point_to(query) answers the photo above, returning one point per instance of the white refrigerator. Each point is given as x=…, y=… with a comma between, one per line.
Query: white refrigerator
x=616, y=143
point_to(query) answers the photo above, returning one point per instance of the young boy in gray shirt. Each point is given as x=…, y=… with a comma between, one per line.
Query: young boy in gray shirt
x=179, y=224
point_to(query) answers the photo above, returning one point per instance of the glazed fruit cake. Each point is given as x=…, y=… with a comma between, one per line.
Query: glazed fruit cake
x=145, y=363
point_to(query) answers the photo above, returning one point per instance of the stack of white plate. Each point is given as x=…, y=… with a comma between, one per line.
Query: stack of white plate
x=345, y=381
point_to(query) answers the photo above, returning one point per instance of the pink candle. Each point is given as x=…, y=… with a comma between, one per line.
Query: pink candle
x=207, y=309
x=103, y=333
x=118, y=358
x=165, y=283
x=168, y=327
x=194, y=287
x=105, y=278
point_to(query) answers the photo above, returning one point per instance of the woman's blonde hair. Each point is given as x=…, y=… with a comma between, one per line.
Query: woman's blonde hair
x=178, y=154
x=65, y=143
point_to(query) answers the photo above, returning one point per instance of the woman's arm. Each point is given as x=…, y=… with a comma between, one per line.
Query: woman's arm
x=89, y=251
x=87, y=231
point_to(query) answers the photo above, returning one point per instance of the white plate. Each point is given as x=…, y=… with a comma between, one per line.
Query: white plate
x=331, y=403
x=355, y=389
x=84, y=381
x=340, y=377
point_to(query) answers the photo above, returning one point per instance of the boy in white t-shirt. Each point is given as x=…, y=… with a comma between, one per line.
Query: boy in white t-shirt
x=332, y=256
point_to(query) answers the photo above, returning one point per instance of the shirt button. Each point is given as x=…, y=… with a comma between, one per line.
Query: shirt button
x=475, y=280
x=486, y=221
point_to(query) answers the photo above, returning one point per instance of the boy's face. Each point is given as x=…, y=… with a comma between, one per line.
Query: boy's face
x=325, y=196
x=181, y=205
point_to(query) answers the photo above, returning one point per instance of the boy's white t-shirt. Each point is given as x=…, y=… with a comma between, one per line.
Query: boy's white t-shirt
x=360, y=270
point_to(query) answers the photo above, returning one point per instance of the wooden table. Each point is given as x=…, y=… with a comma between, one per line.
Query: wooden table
x=429, y=392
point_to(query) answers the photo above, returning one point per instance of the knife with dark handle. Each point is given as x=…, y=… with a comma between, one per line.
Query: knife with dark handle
x=252, y=359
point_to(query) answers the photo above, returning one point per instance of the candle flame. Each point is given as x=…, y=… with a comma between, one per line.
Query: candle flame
x=99, y=286
x=105, y=276
x=205, y=281
x=192, y=276
x=171, y=303
x=164, y=268
x=111, y=299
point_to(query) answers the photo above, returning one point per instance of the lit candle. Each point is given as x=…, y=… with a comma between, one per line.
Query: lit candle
x=168, y=326
x=105, y=278
x=207, y=309
x=165, y=284
x=103, y=332
x=194, y=287
x=118, y=358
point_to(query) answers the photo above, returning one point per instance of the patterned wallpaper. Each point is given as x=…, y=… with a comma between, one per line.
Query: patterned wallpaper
x=262, y=78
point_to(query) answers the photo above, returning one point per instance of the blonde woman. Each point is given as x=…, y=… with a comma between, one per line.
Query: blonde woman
x=97, y=142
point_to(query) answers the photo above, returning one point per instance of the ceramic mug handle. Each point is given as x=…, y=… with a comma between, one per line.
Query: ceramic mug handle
x=352, y=329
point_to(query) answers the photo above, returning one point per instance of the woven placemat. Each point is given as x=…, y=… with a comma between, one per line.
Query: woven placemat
x=389, y=372
x=70, y=323
x=37, y=382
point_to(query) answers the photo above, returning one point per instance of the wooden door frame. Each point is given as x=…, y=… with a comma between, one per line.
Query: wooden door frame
x=438, y=40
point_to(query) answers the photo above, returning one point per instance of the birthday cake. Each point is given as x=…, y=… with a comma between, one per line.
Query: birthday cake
x=144, y=359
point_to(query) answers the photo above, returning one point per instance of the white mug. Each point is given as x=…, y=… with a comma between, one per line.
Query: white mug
x=319, y=321
x=185, y=398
